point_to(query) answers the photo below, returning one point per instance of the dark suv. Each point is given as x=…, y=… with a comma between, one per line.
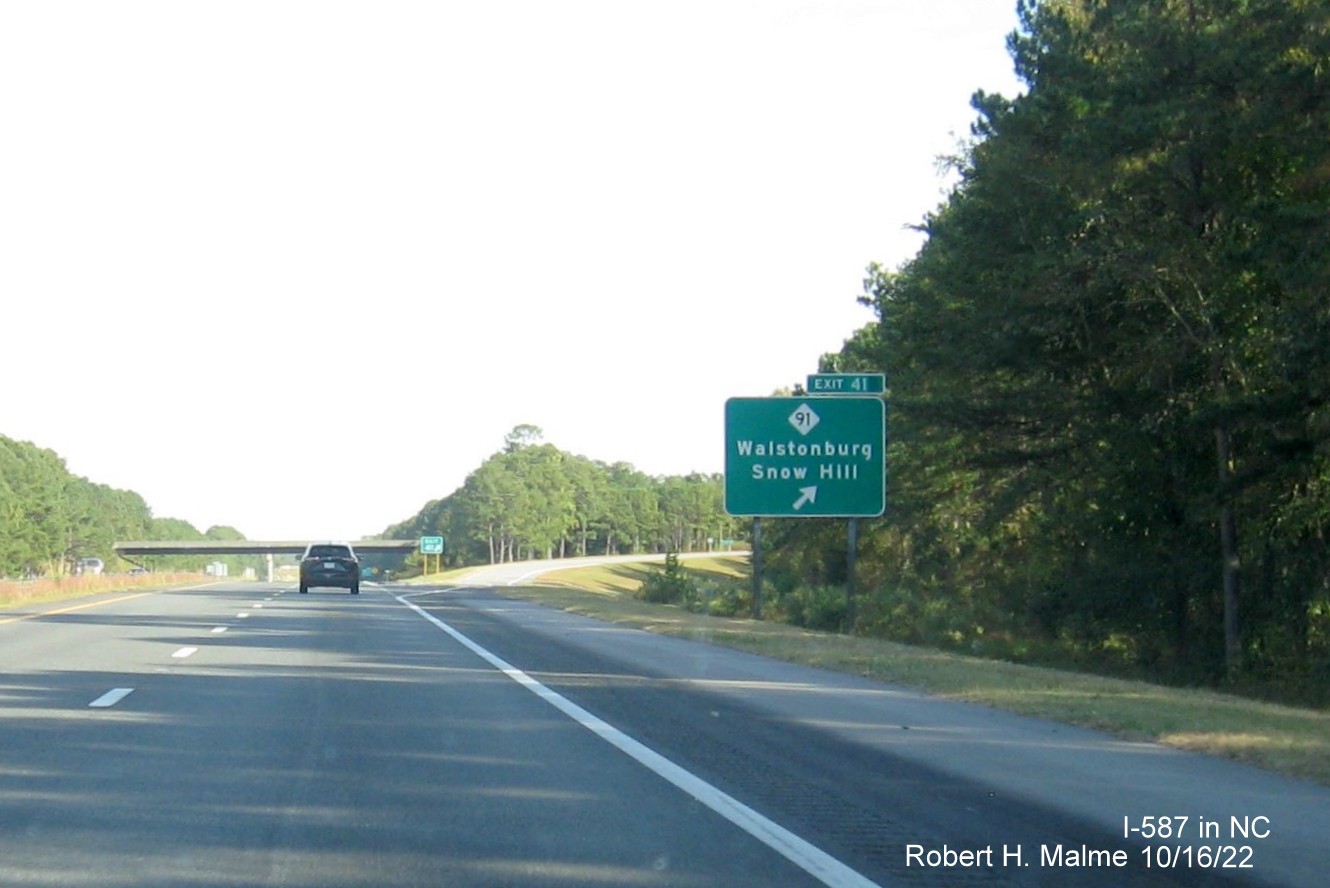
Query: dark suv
x=330, y=564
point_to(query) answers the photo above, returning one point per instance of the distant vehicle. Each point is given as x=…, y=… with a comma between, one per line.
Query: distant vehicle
x=330, y=564
x=93, y=566
x=137, y=571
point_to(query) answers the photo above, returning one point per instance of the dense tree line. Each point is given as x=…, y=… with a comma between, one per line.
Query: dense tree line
x=533, y=500
x=1109, y=364
x=50, y=519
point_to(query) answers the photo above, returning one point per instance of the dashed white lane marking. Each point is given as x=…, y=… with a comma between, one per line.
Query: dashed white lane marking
x=218, y=630
x=256, y=605
x=110, y=698
x=243, y=615
x=184, y=652
x=802, y=853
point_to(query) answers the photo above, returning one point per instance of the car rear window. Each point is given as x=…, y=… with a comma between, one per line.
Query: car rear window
x=329, y=552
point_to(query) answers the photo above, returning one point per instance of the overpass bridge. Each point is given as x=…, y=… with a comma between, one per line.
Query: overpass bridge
x=251, y=547
x=141, y=548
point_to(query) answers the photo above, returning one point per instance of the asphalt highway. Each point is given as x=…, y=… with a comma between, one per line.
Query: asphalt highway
x=236, y=735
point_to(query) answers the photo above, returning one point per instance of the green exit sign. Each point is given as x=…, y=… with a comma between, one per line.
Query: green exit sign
x=431, y=545
x=847, y=383
x=805, y=457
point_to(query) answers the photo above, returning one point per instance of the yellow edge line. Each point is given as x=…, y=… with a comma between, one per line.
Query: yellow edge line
x=73, y=608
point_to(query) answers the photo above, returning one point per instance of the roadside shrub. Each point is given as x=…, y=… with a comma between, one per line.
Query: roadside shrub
x=670, y=585
x=719, y=600
x=815, y=607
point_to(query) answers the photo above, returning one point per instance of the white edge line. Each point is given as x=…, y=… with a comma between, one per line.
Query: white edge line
x=528, y=575
x=110, y=698
x=443, y=587
x=800, y=852
x=466, y=582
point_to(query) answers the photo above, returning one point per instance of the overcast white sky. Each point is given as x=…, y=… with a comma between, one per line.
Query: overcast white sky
x=298, y=267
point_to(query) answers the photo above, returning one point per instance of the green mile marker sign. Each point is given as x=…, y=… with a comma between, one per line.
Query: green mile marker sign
x=805, y=457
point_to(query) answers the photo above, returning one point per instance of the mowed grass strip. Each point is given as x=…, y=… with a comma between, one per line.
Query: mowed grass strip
x=1285, y=739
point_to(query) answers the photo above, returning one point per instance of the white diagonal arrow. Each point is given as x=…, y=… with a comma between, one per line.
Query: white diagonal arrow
x=806, y=495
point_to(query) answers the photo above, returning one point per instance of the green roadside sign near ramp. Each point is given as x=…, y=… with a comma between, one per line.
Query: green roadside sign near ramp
x=805, y=457
x=847, y=383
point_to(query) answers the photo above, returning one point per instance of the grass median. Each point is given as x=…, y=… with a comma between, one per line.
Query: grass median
x=1285, y=739
x=17, y=593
